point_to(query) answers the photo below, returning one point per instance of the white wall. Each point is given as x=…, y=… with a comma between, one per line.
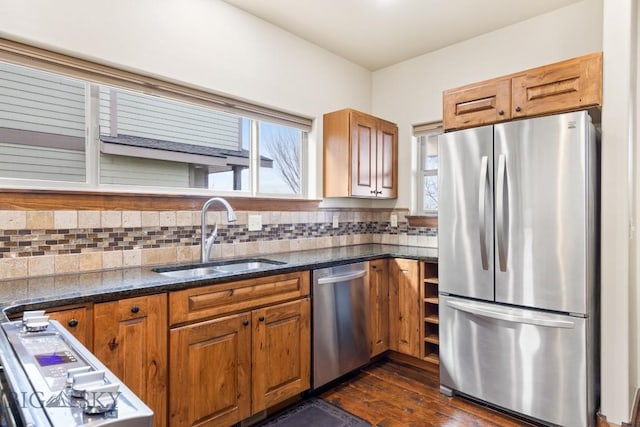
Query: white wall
x=620, y=217
x=411, y=92
x=205, y=43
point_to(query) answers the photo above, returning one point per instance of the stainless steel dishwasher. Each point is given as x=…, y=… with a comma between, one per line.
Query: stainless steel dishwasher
x=340, y=321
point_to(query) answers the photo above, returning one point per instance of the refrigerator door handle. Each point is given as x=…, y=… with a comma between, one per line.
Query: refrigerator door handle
x=500, y=212
x=530, y=319
x=482, y=210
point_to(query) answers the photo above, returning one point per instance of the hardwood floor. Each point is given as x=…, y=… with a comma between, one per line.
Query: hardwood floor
x=388, y=393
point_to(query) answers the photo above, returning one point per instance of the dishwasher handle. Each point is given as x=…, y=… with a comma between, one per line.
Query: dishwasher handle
x=342, y=278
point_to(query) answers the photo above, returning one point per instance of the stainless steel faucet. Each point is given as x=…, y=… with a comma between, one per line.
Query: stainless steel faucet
x=207, y=242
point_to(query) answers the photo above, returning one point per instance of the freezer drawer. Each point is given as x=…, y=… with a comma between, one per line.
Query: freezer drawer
x=527, y=361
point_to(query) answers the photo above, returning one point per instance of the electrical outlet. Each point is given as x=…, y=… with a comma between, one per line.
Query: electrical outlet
x=393, y=220
x=336, y=222
x=254, y=222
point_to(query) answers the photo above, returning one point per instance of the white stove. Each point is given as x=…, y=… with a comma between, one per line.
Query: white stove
x=50, y=379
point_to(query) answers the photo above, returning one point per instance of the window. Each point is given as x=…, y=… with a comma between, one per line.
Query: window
x=280, y=159
x=42, y=126
x=63, y=132
x=427, y=185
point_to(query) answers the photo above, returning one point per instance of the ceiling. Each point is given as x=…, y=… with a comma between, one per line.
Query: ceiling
x=379, y=33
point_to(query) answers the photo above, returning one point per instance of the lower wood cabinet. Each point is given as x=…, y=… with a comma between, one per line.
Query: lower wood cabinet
x=131, y=340
x=227, y=369
x=210, y=373
x=405, y=307
x=281, y=356
x=379, y=306
x=77, y=319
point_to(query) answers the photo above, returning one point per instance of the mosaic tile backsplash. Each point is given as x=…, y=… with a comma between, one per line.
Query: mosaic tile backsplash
x=34, y=243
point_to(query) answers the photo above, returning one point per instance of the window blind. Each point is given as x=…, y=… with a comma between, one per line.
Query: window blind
x=425, y=128
x=46, y=60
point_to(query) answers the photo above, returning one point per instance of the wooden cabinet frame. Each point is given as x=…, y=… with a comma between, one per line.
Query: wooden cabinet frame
x=255, y=332
x=360, y=155
x=130, y=338
x=574, y=84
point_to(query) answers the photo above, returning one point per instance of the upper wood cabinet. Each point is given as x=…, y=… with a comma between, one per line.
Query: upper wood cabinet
x=130, y=338
x=477, y=104
x=568, y=85
x=360, y=155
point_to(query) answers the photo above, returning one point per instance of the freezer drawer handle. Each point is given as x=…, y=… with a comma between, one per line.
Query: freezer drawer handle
x=531, y=320
x=501, y=214
x=342, y=278
x=482, y=211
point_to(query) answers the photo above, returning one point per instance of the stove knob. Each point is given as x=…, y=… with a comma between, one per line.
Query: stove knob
x=71, y=373
x=35, y=321
x=83, y=381
x=101, y=399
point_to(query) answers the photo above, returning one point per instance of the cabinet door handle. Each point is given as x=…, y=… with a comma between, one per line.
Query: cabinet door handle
x=501, y=112
x=379, y=192
x=261, y=318
x=73, y=323
x=135, y=309
x=113, y=344
x=373, y=191
x=245, y=322
x=518, y=109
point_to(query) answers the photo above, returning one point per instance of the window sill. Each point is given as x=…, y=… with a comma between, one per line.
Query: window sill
x=94, y=200
x=422, y=221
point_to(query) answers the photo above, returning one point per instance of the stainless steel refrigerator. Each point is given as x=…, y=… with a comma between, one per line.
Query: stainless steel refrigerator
x=518, y=266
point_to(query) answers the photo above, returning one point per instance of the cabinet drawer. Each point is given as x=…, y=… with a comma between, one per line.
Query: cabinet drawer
x=214, y=300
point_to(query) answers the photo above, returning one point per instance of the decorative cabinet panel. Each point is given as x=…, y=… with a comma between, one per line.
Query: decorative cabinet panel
x=405, y=307
x=131, y=340
x=208, y=301
x=569, y=85
x=360, y=155
x=379, y=306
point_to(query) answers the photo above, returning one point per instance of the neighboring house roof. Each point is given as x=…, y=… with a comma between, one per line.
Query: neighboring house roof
x=135, y=146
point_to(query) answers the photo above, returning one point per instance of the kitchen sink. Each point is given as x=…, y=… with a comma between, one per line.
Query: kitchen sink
x=216, y=269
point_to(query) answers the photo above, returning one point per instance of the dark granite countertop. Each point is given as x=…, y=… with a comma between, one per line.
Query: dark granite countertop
x=49, y=291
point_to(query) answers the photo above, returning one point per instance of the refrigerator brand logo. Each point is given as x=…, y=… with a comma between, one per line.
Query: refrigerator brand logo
x=572, y=125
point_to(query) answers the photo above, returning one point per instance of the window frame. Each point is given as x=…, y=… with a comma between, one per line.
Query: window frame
x=93, y=74
x=421, y=133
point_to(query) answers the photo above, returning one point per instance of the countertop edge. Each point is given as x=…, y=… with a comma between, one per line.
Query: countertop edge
x=156, y=283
